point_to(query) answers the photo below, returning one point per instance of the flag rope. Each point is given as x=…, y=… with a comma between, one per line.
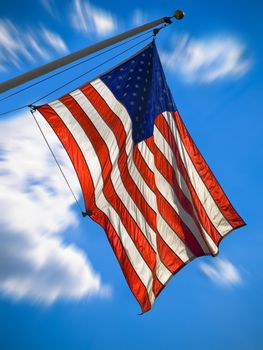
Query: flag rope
x=32, y=110
x=78, y=77
x=76, y=65
x=90, y=70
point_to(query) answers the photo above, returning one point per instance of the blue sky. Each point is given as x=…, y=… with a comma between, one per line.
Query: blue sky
x=60, y=284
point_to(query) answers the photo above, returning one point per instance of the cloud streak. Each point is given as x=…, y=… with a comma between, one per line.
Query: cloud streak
x=19, y=46
x=207, y=60
x=54, y=40
x=91, y=20
x=36, y=207
x=50, y=7
x=222, y=272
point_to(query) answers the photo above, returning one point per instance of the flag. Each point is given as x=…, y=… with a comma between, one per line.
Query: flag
x=143, y=178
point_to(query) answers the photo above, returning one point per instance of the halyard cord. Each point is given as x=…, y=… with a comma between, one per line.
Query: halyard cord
x=32, y=110
x=13, y=110
x=83, y=74
x=69, y=82
x=60, y=87
x=74, y=65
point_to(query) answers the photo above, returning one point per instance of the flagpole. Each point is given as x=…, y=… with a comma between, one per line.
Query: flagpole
x=60, y=62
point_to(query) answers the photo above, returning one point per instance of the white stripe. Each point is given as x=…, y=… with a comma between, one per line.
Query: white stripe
x=211, y=244
x=120, y=111
x=95, y=168
x=168, y=193
x=113, y=103
x=167, y=152
x=107, y=134
x=205, y=197
x=169, y=236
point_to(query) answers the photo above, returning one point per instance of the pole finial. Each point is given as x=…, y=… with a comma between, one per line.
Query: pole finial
x=178, y=14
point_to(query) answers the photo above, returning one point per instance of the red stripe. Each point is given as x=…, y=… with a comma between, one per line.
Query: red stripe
x=207, y=176
x=73, y=152
x=136, y=285
x=113, y=121
x=164, y=129
x=171, y=216
x=167, y=255
x=115, y=124
x=79, y=163
x=168, y=172
x=102, y=152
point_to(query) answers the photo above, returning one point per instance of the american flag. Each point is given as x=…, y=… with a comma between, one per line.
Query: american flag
x=142, y=177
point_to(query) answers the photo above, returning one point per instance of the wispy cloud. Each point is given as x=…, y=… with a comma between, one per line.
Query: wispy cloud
x=54, y=40
x=222, y=272
x=207, y=60
x=36, y=207
x=50, y=7
x=19, y=46
x=12, y=48
x=91, y=20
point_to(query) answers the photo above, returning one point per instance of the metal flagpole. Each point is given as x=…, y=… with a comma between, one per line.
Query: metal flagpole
x=60, y=62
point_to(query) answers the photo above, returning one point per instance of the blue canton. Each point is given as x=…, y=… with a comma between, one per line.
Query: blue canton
x=140, y=85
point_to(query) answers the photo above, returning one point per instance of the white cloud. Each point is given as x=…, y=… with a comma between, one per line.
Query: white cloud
x=92, y=20
x=207, y=60
x=12, y=48
x=54, y=40
x=222, y=272
x=50, y=7
x=27, y=45
x=34, y=44
x=36, y=207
